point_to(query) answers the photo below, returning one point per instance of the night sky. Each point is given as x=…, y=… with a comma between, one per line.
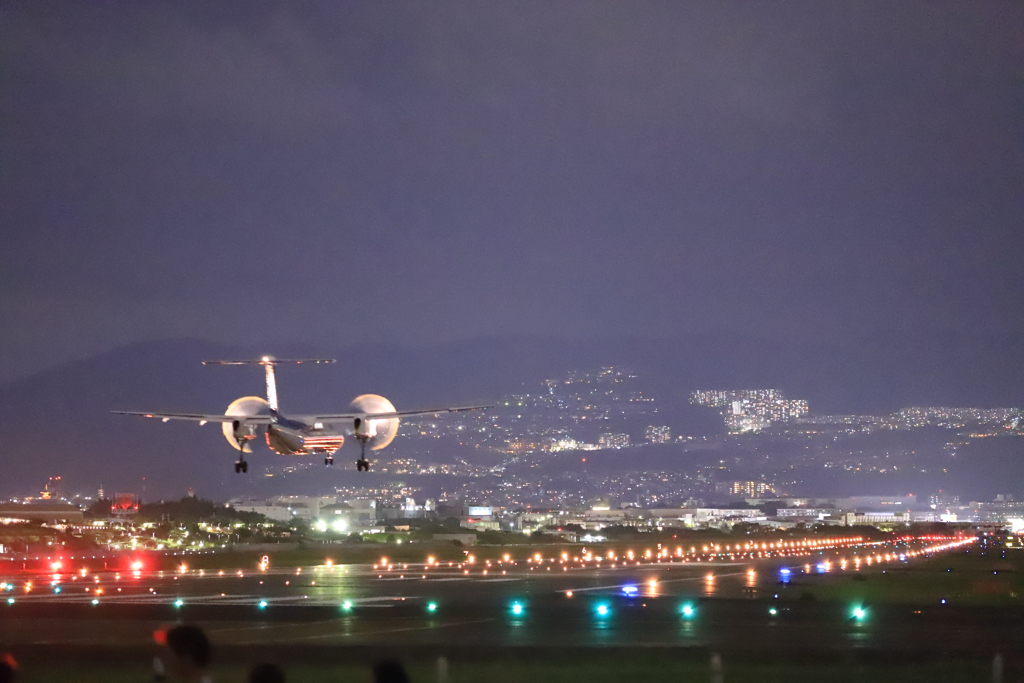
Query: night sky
x=422, y=173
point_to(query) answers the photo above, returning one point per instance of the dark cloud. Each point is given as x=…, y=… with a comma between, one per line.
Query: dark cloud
x=416, y=173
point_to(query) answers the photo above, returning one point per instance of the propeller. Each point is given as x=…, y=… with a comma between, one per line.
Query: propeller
x=378, y=433
x=243, y=407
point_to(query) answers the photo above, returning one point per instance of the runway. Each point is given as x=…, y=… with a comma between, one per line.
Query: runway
x=549, y=602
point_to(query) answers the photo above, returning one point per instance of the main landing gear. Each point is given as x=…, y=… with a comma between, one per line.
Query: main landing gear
x=241, y=467
x=362, y=464
x=329, y=461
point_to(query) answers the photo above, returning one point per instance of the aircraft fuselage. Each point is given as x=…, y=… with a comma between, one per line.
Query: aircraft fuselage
x=294, y=437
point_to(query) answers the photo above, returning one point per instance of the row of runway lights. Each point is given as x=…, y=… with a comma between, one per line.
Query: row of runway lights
x=630, y=591
x=517, y=609
x=711, y=552
x=538, y=560
x=708, y=553
x=748, y=550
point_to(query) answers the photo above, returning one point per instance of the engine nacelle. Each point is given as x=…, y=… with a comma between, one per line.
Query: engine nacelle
x=377, y=434
x=240, y=433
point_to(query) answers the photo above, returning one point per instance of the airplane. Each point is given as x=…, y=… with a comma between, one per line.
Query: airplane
x=373, y=420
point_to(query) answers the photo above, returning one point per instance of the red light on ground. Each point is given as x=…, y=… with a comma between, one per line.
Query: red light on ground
x=583, y=459
x=55, y=566
x=136, y=565
x=160, y=636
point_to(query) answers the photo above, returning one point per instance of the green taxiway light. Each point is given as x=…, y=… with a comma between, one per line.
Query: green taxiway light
x=688, y=610
x=431, y=606
x=518, y=609
x=347, y=606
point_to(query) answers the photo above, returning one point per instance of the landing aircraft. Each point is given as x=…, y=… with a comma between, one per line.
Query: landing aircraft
x=373, y=420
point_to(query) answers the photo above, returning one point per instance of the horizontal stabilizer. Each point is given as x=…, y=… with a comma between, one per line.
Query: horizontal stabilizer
x=268, y=361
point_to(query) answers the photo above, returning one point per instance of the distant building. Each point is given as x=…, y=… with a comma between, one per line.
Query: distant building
x=745, y=489
x=50, y=513
x=658, y=434
x=751, y=410
x=610, y=440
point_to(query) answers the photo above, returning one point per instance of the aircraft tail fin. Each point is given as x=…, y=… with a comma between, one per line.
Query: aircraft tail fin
x=268, y=363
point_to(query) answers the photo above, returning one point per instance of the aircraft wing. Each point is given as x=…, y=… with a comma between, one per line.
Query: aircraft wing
x=197, y=417
x=397, y=413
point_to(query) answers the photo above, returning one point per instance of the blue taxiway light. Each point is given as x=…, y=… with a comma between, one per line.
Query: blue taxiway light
x=630, y=591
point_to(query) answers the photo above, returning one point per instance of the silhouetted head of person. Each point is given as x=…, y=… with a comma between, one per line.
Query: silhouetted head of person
x=8, y=667
x=189, y=652
x=266, y=673
x=389, y=671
